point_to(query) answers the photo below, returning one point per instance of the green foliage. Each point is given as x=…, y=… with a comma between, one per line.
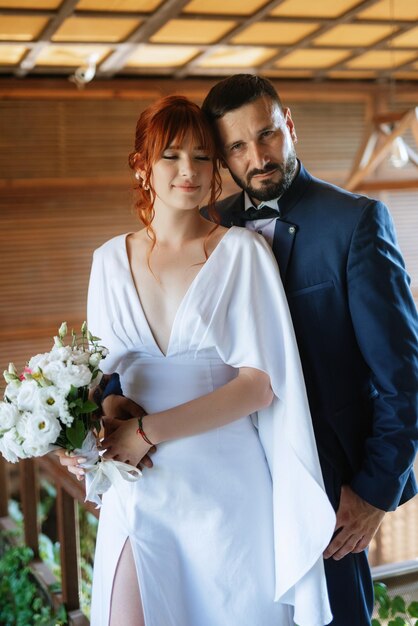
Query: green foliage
x=22, y=600
x=393, y=610
x=49, y=550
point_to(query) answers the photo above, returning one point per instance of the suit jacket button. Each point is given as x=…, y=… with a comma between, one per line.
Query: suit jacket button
x=292, y=230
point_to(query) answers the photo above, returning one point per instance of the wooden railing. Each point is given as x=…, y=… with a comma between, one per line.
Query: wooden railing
x=70, y=494
x=386, y=547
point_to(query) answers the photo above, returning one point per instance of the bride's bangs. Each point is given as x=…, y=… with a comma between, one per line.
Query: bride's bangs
x=174, y=126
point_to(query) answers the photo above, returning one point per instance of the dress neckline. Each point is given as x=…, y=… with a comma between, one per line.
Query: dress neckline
x=184, y=299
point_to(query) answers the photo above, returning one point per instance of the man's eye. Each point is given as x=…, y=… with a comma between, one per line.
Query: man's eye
x=267, y=133
x=236, y=146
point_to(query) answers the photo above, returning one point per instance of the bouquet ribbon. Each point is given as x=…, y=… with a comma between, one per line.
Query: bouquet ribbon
x=102, y=473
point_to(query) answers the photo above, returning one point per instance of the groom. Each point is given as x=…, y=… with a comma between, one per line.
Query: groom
x=354, y=317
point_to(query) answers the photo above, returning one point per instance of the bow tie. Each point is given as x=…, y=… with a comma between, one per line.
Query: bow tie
x=264, y=213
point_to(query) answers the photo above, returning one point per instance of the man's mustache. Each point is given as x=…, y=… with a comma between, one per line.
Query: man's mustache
x=268, y=168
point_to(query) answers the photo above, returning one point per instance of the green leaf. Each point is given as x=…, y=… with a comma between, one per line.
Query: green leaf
x=76, y=434
x=72, y=394
x=89, y=406
x=384, y=612
x=398, y=621
x=376, y=622
x=413, y=609
x=398, y=605
x=380, y=592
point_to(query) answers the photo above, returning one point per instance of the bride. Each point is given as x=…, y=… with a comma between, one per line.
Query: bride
x=228, y=526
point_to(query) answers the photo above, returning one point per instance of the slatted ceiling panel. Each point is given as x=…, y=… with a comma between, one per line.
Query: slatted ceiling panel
x=229, y=7
x=273, y=33
x=92, y=29
x=390, y=9
x=119, y=5
x=324, y=8
x=407, y=40
x=21, y=28
x=192, y=31
x=29, y=4
x=354, y=35
x=11, y=54
x=328, y=136
x=300, y=35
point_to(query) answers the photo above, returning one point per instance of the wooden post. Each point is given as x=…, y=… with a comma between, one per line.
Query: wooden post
x=29, y=490
x=68, y=537
x=4, y=491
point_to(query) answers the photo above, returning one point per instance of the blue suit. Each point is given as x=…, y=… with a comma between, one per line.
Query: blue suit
x=357, y=330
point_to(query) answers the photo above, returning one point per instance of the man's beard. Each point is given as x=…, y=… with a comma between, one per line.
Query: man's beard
x=269, y=189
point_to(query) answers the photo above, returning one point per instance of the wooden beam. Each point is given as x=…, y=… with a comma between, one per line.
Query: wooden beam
x=380, y=152
x=303, y=43
x=166, y=11
x=4, y=491
x=386, y=185
x=258, y=16
x=65, y=10
x=141, y=88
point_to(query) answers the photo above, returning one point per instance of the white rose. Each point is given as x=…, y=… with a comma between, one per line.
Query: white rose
x=61, y=353
x=9, y=415
x=55, y=371
x=10, y=446
x=80, y=357
x=79, y=375
x=41, y=429
x=27, y=397
x=95, y=359
x=53, y=400
x=38, y=361
x=35, y=449
x=12, y=389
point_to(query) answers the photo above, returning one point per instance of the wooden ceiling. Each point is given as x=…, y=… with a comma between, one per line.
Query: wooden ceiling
x=310, y=39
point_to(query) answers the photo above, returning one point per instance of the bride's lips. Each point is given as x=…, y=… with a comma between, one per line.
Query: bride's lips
x=186, y=188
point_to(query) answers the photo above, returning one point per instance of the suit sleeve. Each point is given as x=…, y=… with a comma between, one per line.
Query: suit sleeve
x=385, y=322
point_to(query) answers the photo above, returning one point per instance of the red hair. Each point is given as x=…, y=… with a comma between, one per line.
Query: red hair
x=169, y=119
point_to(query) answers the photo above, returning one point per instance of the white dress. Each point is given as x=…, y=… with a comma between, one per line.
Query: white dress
x=228, y=527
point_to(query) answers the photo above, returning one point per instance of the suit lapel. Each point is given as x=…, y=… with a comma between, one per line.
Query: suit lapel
x=284, y=233
x=283, y=242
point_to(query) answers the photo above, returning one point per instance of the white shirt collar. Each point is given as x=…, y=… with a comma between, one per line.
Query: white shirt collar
x=274, y=203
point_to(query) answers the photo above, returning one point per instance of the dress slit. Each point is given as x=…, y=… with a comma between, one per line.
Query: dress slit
x=124, y=583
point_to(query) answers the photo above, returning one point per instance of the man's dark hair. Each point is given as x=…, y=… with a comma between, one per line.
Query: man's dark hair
x=235, y=91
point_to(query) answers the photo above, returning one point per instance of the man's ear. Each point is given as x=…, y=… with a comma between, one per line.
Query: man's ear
x=223, y=164
x=290, y=124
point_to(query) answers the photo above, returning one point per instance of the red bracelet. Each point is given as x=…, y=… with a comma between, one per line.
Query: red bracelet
x=140, y=431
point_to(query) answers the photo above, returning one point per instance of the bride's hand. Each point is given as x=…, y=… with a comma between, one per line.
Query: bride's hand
x=72, y=462
x=124, y=444
x=111, y=424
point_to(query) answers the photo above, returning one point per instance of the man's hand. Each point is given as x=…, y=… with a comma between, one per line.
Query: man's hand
x=120, y=407
x=357, y=523
x=117, y=408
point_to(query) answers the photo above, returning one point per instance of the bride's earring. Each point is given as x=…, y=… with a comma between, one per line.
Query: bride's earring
x=137, y=176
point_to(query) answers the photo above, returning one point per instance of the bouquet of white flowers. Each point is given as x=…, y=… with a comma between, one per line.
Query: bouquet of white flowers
x=47, y=407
